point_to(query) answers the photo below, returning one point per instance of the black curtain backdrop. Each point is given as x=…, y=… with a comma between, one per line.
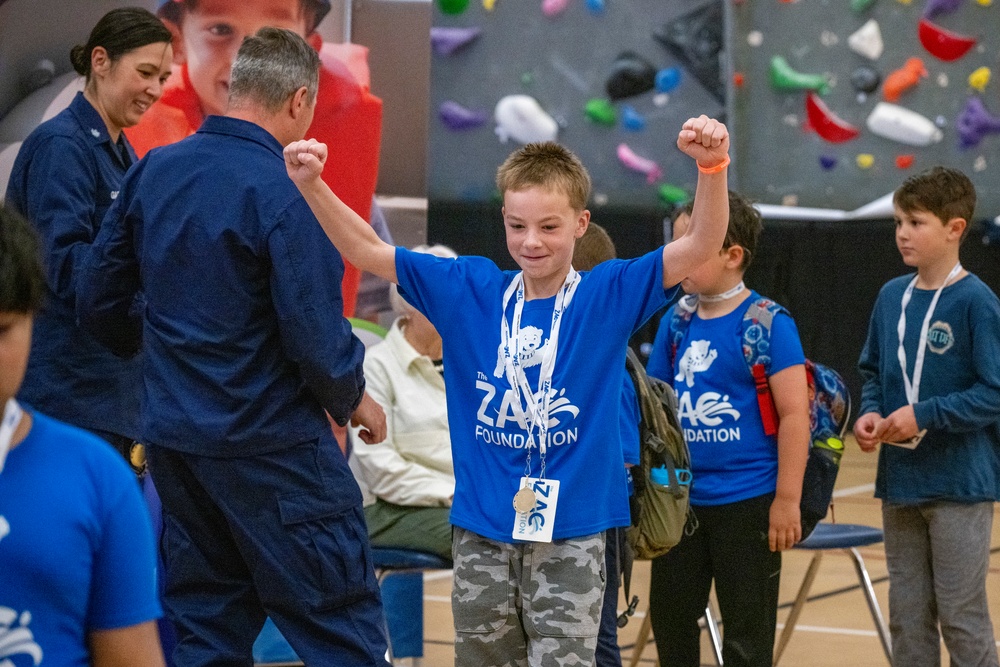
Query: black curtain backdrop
x=827, y=274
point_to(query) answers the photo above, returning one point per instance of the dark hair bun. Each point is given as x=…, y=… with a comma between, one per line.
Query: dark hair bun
x=79, y=57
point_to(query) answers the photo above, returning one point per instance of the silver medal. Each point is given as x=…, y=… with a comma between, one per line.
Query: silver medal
x=524, y=500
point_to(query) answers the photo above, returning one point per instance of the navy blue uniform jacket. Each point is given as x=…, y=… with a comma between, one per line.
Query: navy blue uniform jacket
x=65, y=177
x=243, y=332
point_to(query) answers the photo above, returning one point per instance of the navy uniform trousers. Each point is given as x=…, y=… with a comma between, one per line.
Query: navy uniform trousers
x=280, y=534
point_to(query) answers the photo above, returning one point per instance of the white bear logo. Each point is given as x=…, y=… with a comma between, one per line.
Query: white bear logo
x=532, y=349
x=17, y=639
x=697, y=358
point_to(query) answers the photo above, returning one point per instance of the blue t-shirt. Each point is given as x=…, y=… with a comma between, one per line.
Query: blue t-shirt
x=629, y=419
x=959, y=458
x=463, y=298
x=732, y=459
x=66, y=175
x=76, y=547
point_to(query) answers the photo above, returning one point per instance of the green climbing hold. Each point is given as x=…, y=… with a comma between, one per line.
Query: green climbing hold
x=861, y=5
x=673, y=195
x=453, y=6
x=601, y=111
x=784, y=77
x=527, y=79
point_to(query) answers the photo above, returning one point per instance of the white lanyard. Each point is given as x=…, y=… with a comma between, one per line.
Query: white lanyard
x=913, y=388
x=12, y=414
x=537, y=414
x=728, y=294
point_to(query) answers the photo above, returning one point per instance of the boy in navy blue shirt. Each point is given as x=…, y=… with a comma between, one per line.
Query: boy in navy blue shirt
x=746, y=484
x=532, y=360
x=931, y=397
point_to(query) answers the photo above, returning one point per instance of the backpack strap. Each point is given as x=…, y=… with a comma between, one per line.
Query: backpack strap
x=680, y=320
x=757, y=321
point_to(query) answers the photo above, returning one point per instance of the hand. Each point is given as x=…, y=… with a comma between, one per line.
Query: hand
x=864, y=431
x=370, y=417
x=304, y=160
x=705, y=139
x=786, y=526
x=898, y=426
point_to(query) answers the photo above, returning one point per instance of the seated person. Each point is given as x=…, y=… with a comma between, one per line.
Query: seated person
x=409, y=477
x=77, y=565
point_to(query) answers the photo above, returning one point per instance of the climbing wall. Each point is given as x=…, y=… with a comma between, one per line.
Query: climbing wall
x=613, y=82
x=809, y=110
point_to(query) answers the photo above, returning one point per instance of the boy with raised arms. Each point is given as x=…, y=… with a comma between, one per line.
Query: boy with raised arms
x=533, y=359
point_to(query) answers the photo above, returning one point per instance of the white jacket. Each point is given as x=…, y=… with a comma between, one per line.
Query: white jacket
x=412, y=466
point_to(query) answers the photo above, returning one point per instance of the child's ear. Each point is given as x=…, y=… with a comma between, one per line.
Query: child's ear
x=582, y=223
x=956, y=227
x=734, y=256
x=176, y=41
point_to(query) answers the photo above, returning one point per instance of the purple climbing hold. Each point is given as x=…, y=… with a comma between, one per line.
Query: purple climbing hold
x=445, y=41
x=975, y=122
x=936, y=7
x=457, y=117
x=828, y=162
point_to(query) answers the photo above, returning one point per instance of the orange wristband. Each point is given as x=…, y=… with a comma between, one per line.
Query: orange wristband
x=715, y=169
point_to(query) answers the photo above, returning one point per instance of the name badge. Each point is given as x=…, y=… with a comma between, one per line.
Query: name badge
x=909, y=443
x=536, y=524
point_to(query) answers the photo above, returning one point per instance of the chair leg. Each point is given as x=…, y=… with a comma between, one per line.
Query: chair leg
x=641, y=640
x=713, y=632
x=866, y=586
x=800, y=601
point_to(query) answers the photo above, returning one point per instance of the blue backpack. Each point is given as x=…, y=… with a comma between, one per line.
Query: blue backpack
x=829, y=401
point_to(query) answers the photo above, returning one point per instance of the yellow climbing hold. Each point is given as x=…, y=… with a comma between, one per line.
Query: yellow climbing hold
x=865, y=160
x=985, y=3
x=488, y=5
x=980, y=78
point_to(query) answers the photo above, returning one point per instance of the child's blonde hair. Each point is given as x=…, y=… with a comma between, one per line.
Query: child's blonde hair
x=547, y=165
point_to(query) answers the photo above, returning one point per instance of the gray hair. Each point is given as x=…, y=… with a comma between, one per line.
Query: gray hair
x=399, y=304
x=270, y=66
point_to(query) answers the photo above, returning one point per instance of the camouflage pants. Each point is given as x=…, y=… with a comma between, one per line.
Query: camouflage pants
x=525, y=604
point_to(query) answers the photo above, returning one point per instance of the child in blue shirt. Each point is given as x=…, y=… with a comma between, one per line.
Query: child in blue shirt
x=532, y=359
x=746, y=485
x=931, y=397
x=77, y=566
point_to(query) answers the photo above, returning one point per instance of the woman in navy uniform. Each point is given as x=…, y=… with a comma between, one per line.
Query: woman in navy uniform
x=65, y=177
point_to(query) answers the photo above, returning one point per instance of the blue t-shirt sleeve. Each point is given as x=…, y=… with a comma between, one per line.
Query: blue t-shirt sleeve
x=786, y=347
x=659, y=365
x=436, y=286
x=123, y=588
x=632, y=289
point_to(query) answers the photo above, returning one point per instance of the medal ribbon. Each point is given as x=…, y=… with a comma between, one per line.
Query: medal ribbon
x=913, y=388
x=537, y=404
x=12, y=414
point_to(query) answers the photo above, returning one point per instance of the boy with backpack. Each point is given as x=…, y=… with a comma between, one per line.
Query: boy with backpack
x=747, y=484
x=533, y=357
x=931, y=366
